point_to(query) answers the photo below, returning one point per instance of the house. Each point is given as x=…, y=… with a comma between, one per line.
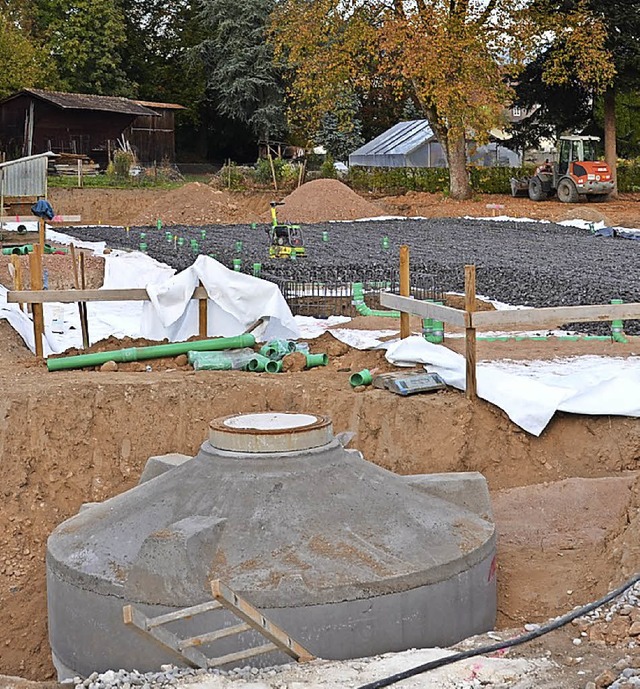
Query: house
x=35, y=121
x=414, y=144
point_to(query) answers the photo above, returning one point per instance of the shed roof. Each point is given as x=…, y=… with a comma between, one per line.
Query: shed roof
x=401, y=139
x=160, y=106
x=85, y=101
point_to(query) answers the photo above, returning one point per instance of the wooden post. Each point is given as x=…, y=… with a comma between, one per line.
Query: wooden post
x=405, y=290
x=35, y=269
x=17, y=276
x=470, y=332
x=84, y=319
x=41, y=239
x=202, y=317
x=273, y=169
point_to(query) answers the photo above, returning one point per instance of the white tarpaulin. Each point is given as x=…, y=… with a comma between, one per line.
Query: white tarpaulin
x=531, y=392
x=235, y=302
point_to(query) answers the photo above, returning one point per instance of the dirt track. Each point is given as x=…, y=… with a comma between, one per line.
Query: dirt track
x=566, y=503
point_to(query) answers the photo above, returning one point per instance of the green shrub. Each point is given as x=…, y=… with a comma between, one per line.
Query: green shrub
x=232, y=177
x=122, y=162
x=629, y=176
x=327, y=169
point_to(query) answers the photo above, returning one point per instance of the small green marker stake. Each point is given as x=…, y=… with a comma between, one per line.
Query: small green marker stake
x=257, y=267
x=237, y=264
x=254, y=225
x=203, y=234
x=143, y=247
x=385, y=242
x=180, y=241
x=325, y=236
x=143, y=235
x=238, y=247
x=159, y=224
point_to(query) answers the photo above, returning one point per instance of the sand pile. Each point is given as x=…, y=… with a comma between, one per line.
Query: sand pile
x=323, y=200
x=195, y=204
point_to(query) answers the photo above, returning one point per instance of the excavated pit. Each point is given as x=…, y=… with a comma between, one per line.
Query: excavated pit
x=85, y=437
x=349, y=559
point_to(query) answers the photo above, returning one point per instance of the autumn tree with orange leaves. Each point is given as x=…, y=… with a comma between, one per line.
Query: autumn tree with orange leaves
x=457, y=58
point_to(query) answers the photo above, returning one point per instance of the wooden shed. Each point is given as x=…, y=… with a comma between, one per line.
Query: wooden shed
x=153, y=137
x=35, y=121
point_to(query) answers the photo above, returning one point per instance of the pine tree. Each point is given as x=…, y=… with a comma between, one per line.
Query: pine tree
x=242, y=81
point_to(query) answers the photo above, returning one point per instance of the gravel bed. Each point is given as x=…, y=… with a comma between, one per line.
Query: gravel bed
x=534, y=264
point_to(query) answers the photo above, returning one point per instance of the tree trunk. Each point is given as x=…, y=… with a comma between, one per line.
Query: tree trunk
x=610, y=152
x=459, y=185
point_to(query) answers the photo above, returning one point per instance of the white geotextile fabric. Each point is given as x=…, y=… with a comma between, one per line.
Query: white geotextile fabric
x=236, y=301
x=531, y=392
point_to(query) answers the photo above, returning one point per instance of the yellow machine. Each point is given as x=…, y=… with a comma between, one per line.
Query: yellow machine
x=286, y=240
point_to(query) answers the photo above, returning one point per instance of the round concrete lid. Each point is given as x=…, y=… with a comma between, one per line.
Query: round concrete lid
x=270, y=432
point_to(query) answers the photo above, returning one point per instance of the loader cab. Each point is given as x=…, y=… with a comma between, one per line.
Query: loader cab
x=575, y=148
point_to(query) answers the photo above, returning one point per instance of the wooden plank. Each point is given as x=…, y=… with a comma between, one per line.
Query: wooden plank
x=405, y=290
x=35, y=218
x=132, y=616
x=17, y=277
x=555, y=315
x=424, y=309
x=242, y=655
x=471, y=387
x=244, y=610
x=69, y=296
x=37, y=312
x=215, y=636
x=184, y=613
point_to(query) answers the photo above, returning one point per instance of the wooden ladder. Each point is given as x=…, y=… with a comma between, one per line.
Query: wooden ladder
x=224, y=598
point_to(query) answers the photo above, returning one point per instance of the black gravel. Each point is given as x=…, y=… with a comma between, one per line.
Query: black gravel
x=534, y=264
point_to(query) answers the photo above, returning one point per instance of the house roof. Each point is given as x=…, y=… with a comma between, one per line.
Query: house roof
x=160, y=106
x=85, y=101
x=401, y=139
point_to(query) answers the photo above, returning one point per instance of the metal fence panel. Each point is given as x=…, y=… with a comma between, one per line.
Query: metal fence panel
x=24, y=176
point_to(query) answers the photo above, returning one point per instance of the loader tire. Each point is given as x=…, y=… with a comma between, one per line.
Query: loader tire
x=536, y=192
x=567, y=192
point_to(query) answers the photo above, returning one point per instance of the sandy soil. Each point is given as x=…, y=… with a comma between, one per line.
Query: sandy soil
x=199, y=204
x=566, y=504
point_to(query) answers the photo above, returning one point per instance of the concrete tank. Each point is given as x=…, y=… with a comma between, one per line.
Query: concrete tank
x=350, y=559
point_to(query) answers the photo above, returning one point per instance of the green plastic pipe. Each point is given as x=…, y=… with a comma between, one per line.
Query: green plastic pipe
x=257, y=363
x=617, y=327
x=317, y=360
x=273, y=366
x=153, y=352
x=363, y=377
x=363, y=309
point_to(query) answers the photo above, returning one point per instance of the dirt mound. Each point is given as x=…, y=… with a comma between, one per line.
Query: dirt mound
x=323, y=200
x=195, y=204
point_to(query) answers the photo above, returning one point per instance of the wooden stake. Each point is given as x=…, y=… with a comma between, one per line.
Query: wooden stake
x=35, y=270
x=273, y=170
x=84, y=318
x=17, y=276
x=470, y=332
x=405, y=290
x=41, y=238
x=203, y=316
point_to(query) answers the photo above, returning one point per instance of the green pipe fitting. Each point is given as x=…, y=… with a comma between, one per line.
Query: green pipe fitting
x=276, y=349
x=238, y=246
x=258, y=363
x=273, y=367
x=617, y=327
x=257, y=268
x=363, y=377
x=143, y=246
x=153, y=352
x=362, y=309
x=314, y=360
x=237, y=264
x=159, y=224
x=325, y=236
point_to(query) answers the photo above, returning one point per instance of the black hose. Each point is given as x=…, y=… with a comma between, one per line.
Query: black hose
x=541, y=631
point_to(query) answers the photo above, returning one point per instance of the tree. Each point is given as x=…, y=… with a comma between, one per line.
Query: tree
x=457, y=57
x=87, y=38
x=340, y=129
x=243, y=83
x=620, y=20
x=23, y=60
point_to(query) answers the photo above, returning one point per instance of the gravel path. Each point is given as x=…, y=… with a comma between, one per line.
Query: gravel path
x=536, y=264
